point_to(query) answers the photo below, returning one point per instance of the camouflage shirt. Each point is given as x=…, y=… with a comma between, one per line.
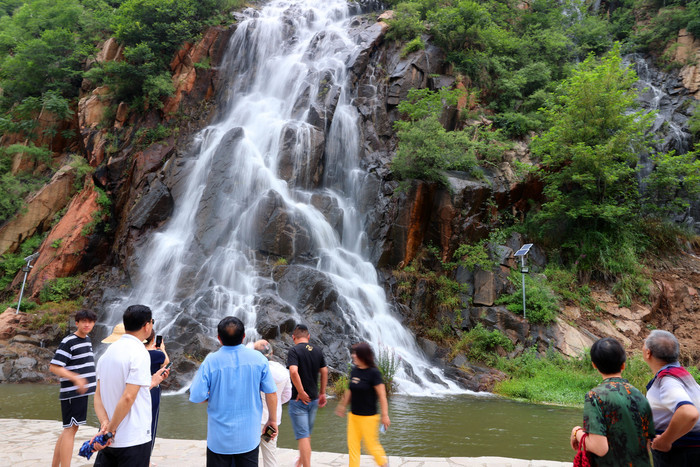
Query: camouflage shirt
x=617, y=410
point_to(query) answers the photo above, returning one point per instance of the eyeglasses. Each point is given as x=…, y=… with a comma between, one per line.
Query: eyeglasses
x=153, y=321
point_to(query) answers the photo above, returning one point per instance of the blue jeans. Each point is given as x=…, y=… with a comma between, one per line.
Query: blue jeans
x=303, y=417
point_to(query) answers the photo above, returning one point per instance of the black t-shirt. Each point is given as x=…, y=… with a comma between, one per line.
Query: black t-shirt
x=364, y=396
x=309, y=359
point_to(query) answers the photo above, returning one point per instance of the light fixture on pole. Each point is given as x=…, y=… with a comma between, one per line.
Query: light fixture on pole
x=522, y=252
x=26, y=270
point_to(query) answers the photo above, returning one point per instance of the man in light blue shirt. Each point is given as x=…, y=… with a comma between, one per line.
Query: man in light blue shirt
x=231, y=380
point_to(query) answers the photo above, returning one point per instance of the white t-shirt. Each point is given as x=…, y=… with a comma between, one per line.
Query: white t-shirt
x=127, y=362
x=284, y=390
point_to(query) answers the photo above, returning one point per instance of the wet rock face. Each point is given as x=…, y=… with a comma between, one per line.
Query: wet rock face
x=214, y=200
x=278, y=232
x=301, y=155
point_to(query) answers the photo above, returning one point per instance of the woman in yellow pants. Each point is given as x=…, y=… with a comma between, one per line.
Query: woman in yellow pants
x=366, y=389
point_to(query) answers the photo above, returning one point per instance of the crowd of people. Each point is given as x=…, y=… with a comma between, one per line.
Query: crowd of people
x=244, y=391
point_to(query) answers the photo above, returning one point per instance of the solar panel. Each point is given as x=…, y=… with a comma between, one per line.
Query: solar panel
x=523, y=250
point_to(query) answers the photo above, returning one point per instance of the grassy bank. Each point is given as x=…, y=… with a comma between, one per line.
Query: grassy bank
x=554, y=379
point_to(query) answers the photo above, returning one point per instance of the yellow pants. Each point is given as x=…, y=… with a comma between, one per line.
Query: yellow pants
x=364, y=428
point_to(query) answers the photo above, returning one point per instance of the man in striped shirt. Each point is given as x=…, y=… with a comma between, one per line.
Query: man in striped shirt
x=74, y=363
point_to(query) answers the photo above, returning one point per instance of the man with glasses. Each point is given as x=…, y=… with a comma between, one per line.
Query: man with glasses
x=122, y=396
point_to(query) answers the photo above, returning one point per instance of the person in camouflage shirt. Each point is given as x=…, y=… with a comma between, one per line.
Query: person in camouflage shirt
x=616, y=416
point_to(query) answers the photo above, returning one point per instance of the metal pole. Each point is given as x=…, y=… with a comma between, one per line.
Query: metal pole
x=26, y=270
x=522, y=268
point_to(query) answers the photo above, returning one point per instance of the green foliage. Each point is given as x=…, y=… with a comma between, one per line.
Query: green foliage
x=11, y=263
x=406, y=23
x=479, y=344
x=340, y=385
x=588, y=154
x=542, y=305
x=151, y=135
x=551, y=378
x=445, y=293
x=82, y=170
x=388, y=363
x=474, y=256
x=426, y=150
x=564, y=283
x=60, y=289
x=413, y=46
x=673, y=184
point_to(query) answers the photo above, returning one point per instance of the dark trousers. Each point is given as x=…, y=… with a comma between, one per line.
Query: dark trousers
x=133, y=456
x=677, y=457
x=245, y=459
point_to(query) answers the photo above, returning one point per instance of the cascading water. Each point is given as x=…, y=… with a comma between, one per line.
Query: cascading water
x=286, y=142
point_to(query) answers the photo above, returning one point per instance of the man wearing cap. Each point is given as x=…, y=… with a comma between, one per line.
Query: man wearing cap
x=122, y=396
x=230, y=381
x=280, y=374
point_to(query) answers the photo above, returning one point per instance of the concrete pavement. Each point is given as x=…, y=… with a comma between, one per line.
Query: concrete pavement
x=30, y=443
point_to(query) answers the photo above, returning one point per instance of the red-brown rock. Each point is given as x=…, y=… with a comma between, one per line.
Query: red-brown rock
x=61, y=253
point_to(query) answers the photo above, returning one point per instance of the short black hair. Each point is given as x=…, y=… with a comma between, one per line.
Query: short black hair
x=231, y=331
x=136, y=316
x=608, y=355
x=300, y=330
x=87, y=315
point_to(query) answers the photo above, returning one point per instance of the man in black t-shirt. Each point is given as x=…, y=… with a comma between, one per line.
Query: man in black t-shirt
x=305, y=361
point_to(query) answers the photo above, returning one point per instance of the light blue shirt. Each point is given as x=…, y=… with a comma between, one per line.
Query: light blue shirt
x=231, y=379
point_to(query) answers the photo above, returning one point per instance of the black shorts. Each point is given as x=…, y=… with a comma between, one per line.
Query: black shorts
x=74, y=411
x=132, y=456
x=245, y=459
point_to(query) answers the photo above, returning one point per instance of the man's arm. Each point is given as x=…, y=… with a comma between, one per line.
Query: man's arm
x=62, y=372
x=324, y=382
x=286, y=391
x=684, y=419
x=100, y=411
x=271, y=401
x=296, y=381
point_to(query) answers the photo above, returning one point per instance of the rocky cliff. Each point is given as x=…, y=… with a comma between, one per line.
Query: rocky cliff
x=142, y=179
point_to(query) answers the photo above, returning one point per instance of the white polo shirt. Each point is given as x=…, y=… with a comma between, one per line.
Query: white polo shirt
x=127, y=362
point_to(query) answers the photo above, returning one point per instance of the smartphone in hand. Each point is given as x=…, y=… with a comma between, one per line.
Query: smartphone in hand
x=159, y=340
x=269, y=433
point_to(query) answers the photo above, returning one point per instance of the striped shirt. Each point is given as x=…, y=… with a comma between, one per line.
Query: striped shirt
x=75, y=354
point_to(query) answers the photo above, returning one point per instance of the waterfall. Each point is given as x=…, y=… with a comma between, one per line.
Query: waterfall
x=282, y=158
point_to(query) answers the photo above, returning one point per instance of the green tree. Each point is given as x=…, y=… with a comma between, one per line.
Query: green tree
x=590, y=150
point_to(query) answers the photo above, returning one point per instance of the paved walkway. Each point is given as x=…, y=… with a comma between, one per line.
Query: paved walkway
x=30, y=443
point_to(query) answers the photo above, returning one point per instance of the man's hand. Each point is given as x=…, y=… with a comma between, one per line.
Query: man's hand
x=304, y=397
x=660, y=444
x=273, y=424
x=322, y=400
x=98, y=446
x=81, y=383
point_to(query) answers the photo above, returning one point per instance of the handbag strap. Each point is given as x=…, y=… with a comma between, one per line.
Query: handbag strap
x=582, y=443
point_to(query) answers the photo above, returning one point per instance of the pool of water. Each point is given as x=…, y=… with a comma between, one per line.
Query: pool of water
x=463, y=426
